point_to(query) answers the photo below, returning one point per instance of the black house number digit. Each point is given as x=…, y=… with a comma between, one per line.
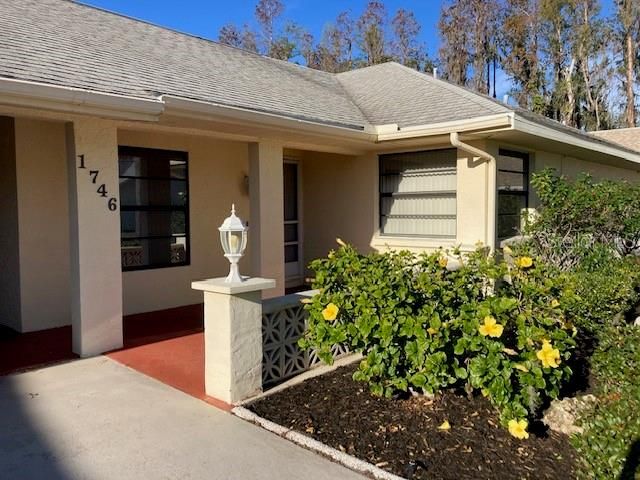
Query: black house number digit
x=112, y=202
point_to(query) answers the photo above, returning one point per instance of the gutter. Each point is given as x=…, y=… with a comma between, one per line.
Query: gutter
x=490, y=197
x=532, y=128
x=23, y=93
x=485, y=124
x=206, y=110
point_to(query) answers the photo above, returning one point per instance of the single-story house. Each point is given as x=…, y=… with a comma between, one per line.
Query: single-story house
x=124, y=144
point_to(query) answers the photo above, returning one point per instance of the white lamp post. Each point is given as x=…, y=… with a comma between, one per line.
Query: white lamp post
x=233, y=236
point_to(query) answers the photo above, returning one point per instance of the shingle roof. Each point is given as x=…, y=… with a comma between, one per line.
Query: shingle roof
x=627, y=137
x=390, y=93
x=64, y=43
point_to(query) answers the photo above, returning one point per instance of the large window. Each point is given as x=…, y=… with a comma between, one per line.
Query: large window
x=154, y=208
x=513, y=192
x=418, y=194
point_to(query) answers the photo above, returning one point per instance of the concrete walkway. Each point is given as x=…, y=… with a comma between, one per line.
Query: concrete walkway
x=96, y=419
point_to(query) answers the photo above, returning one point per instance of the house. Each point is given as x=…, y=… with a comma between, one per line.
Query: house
x=124, y=145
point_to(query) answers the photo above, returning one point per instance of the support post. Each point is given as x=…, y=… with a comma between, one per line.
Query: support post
x=94, y=221
x=266, y=192
x=233, y=337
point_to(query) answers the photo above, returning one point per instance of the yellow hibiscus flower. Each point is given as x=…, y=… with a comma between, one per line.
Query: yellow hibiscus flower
x=524, y=262
x=549, y=356
x=555, y=303
x=330, y=313
x=443, y=261
x=431, y=331
x=518, y=428
x=490, y=327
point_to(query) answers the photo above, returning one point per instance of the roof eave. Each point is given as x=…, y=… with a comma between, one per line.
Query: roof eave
x=484, y=124
x=23, y=93
x=209, y=110
x=533, y=128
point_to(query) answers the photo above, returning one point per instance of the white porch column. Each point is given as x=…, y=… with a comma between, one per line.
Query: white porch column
x=266, y=224
x=233, y=337
x=94, y=211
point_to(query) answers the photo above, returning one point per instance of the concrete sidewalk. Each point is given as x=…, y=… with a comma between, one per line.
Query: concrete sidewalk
x=96, y=419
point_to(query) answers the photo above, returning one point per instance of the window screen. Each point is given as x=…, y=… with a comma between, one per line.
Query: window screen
x=513, y=192
x=418, y=194
x=154, y=208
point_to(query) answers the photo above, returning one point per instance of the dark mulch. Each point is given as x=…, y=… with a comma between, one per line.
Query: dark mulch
x=402, y=435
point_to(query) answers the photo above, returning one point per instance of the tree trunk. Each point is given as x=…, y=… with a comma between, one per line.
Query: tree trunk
x=629, y=75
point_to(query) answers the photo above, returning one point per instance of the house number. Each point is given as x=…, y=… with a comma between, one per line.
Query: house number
x=112, y=202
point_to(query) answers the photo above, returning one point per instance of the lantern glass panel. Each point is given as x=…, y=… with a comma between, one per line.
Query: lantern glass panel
x=235, y=242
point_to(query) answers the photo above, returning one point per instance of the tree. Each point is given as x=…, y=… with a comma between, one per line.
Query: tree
x=520, y=52
x=592, y=44
x=454, y=26
x=371, y=34
x=405, y=46
x=229, y=34
x=627, y=21
x=267, y=12
x=335, y=51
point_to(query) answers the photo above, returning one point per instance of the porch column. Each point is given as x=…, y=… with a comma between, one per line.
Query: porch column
x=266, y=234
x=94, y=211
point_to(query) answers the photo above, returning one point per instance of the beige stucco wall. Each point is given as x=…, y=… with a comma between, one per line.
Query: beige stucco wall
x=217, y=171
x=43, y=219
x=9, y=239
x=339, y=199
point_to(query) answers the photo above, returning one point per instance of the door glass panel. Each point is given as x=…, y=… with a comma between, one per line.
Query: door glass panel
x=291, y=253
x=291, y=232
x=290, y=171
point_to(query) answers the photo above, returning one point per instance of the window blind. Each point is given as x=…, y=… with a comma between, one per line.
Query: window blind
x=418, y=193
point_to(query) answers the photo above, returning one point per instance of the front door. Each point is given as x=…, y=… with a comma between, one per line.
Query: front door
x=292, y=225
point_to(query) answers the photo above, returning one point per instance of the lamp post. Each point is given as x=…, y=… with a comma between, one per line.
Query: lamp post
x=233, y=236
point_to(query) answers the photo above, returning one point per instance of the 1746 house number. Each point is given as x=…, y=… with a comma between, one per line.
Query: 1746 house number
x=112, y=202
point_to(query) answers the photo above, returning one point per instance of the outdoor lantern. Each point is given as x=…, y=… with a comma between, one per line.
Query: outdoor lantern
x=233, y=236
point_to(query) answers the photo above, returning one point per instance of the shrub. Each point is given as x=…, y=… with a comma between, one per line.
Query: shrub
x=420, y=324
x=610, y=444
x=575, y=217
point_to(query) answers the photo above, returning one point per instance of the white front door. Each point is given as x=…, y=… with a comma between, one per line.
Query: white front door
x=293, y=264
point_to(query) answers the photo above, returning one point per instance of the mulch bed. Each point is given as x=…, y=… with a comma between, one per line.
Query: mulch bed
x=402, y=435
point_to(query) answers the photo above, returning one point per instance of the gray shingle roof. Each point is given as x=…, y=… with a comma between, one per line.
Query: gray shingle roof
x=64, y=43
x=390, y=93
x=60, y=42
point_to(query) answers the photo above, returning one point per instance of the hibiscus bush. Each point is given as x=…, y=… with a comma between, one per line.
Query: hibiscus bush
x=433, y=321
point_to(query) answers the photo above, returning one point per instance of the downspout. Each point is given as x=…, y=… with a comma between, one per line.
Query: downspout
x=490, y=198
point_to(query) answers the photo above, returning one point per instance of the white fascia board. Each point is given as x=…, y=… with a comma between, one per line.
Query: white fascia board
x=532, y=128
x=487, y=123
x=208, y=111
x=70, y=99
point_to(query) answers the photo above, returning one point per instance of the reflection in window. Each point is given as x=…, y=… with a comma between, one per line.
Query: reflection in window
x=154, y=208
x=513, y=192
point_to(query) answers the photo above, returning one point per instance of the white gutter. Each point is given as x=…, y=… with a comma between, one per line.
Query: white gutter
x=205, y=110
x=487, y=123
x=532, y=128
x=50, y=97
x=490, y=197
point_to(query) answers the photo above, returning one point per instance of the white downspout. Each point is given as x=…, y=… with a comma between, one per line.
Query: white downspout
x=490, y=199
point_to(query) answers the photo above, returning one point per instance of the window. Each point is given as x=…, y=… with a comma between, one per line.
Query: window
x=418, y=194
x=513, y=192
x=154, y=208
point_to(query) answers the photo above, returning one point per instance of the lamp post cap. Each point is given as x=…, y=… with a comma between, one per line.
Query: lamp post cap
x=232, y=223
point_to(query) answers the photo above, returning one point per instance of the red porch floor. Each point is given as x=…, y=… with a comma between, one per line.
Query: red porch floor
x=167, y=345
